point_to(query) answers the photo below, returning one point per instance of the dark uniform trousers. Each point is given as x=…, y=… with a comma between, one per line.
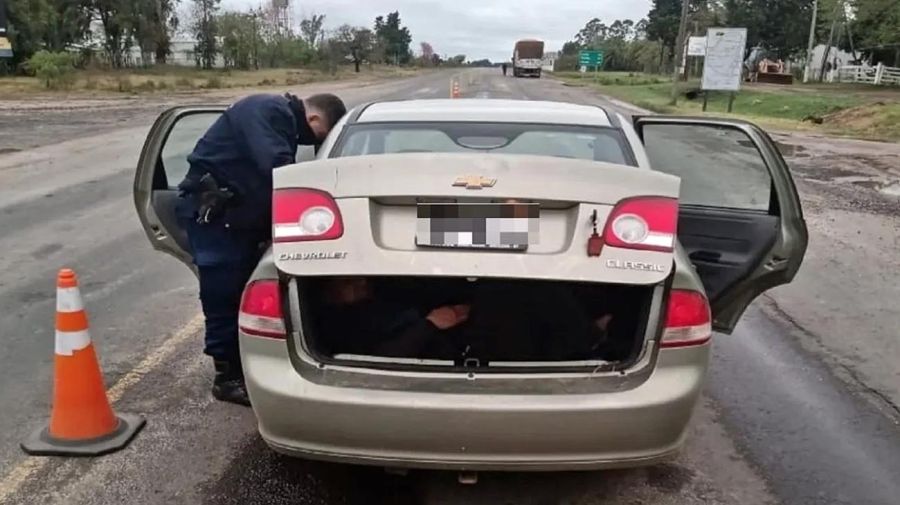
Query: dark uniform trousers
x=225, y=259
x=251, y=138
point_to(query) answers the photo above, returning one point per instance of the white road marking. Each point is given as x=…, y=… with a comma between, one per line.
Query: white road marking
x=155, y=358
x=20, y=474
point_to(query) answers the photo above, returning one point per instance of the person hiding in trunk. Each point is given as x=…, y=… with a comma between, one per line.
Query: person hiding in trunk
x=361, y=323
x=532, y=321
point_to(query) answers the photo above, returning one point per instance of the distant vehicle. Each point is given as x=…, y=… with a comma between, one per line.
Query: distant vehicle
x=528, y=58
x=523, y=384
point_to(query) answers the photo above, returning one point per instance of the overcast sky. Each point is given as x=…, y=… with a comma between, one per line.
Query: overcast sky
x=476, y=28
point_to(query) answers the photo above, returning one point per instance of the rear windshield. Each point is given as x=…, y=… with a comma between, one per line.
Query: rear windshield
x=577, y=142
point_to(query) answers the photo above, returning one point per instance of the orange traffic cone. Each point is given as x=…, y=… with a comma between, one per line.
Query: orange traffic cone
x=454, y=90
x=82, y=423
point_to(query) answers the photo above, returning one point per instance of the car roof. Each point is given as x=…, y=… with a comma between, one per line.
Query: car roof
x=484, y=110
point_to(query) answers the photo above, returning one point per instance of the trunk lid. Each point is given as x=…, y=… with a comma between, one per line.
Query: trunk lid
x=377, y=196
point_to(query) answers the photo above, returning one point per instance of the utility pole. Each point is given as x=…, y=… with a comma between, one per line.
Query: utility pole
x=812, y=39
x=837, y=6
x=849, y=35
x=679, y=51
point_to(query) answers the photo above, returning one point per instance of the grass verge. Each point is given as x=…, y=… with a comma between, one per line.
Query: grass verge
x=859, y=111
x=165, y=79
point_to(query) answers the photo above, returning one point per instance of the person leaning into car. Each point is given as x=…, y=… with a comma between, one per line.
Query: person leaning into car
x=225, y=206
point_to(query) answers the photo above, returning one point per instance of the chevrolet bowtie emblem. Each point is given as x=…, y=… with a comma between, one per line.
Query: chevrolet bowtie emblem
x=474, y=182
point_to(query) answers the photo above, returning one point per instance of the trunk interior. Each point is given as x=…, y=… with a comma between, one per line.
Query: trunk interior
x=483, y=323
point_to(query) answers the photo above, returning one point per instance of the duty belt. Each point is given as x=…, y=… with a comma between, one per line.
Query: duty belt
x=211, y=198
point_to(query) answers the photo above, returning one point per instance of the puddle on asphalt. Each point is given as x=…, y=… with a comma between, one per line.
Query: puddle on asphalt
x=888, y=188
x=892, y=189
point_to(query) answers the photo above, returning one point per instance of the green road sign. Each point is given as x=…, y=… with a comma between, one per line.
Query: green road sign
x=590, y=59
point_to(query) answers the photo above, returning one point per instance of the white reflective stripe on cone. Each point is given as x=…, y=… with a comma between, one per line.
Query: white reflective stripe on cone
x=67, y=342
x=68, y=300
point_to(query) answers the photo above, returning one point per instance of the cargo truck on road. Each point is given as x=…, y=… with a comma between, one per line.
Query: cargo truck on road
x=528, y=57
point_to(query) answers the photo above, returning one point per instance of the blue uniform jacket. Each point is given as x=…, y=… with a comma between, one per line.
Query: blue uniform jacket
x=251, y=138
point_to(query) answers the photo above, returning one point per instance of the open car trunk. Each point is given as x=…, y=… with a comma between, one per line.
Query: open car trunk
x=537, y=304
x=511, y=323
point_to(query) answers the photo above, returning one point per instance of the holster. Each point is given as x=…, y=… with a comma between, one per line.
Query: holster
x=211, y=198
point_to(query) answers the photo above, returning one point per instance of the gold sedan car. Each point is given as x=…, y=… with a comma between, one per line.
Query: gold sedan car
x=491, y=284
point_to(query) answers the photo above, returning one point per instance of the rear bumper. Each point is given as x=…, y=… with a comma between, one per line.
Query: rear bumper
x=481, y=431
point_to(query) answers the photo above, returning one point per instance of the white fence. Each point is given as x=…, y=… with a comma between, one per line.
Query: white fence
x=878, y=75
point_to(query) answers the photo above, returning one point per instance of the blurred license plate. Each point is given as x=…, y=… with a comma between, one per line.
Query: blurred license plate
x=477, y=225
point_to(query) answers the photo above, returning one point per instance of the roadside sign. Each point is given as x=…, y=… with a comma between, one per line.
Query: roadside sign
x=723, y=65
x=5, y=48
x=696, y=46
x=5, y=45
x=582, y=69
x=3, y=18
x=591, y=59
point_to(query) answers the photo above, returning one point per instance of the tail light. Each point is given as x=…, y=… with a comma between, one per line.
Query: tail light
x=646, y=223
x=688, y=320
x=261, y=313
x=305, y=214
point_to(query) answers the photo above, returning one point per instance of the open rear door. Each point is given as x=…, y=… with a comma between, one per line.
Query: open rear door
x=740, y=219
x=162, y=166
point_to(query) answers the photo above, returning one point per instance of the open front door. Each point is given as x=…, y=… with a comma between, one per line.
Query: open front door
x=740, y=219
x=162, y=166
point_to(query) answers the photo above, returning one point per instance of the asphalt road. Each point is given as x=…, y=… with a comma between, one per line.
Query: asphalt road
x=776, y=426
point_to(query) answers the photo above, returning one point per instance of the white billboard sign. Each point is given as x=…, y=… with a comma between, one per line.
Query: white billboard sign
x=696, y=46
x=722, y=67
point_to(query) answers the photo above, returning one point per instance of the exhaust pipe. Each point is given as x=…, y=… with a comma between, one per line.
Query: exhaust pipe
x=468, y=478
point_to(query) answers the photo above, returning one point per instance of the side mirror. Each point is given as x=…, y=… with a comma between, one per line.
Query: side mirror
x=306, y=153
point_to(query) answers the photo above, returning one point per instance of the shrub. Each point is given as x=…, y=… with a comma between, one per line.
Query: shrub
x=184, y=82
x=55, y=70
x=214, y=82
x=124, y=85
x=148, y=85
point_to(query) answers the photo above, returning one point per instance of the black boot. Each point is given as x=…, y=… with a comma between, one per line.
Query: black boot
x=228, y=385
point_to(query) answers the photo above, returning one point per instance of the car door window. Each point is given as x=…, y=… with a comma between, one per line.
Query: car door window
x=161, y=167
x=180, y=143
x=720, y=166
x=740, y=220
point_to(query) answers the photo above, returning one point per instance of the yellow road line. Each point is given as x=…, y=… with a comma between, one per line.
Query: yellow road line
x=15, y=478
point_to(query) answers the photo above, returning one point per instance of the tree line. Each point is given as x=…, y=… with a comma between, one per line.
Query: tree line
x=58, y=25
x=242, y=39
x=868, y=27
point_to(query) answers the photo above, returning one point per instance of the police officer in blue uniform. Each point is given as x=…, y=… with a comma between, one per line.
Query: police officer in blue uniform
x=226, y=206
